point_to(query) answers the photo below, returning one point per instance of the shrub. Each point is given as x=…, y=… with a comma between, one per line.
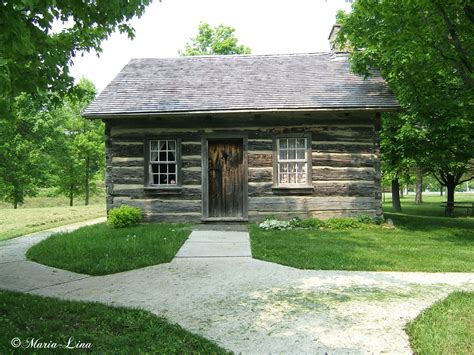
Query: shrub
x=342, y=223
x=296, y=222
x=274, y=224
x=124, y=216
x=312, y=223
x=378, y=220
x=364, y=219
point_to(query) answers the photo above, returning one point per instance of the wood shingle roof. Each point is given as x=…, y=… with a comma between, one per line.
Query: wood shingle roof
x=240, y=83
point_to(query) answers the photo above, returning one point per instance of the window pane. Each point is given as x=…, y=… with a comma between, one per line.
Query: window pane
x=163, y=179
x=172, y=179
x=300, y=143
x=163, y=168
x=162, y=145
x=301, y=178
x=292, y=154
x=154, y=156
x=292, y=179
x=284, y=178
x=172, y=168
x=162, y=156
x=153, y=145
x=155, y=179
x=171, y=145
x=283, y=154
x=171, y=156
x=283, y=143
x=154, y=168
x=291, y=143
x=300, y=154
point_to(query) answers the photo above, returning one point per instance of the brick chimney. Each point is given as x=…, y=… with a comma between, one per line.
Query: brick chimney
x=332, y=37
x=335, y=48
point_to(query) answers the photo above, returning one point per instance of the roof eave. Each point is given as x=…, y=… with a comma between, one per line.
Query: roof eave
x=118, y=115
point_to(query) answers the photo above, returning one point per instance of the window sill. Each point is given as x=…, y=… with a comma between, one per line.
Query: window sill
x=296, y=190
x=163, y=190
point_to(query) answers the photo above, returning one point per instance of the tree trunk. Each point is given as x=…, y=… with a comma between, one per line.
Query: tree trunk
x=401, y=190
x=71, y=195
x=419, y=187
x=450, y=187
x=396, y=195
x=86, y=188
x=441, y=187
x=15, y=205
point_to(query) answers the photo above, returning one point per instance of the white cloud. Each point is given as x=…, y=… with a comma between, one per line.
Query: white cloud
x=266, y=26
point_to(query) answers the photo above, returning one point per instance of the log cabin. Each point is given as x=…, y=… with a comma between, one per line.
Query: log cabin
x=239, y=138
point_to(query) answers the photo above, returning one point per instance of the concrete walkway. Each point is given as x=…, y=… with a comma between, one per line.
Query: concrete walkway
x=248, y=305
x=202, y=244
x=19, y=274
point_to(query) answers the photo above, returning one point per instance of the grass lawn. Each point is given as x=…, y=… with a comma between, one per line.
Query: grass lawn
x=14, y=223
x=445, y=328
x=430, y=206
x=419, y=242
x=44, y=212
x=101, y=250
x=107, y=329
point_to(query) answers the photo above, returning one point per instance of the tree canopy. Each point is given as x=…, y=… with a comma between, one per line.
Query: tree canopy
x=24, y=140
x=214, y=41
x=79, y=152
x=35, y=55
x=424, y=49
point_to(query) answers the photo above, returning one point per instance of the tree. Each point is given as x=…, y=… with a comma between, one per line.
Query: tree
x=34, y=56
x=79, y=152
x=214, y=41
x=24, y=142
x=424, y=49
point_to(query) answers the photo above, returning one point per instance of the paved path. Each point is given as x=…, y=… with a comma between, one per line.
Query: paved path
x=251, y=306
x=201, y=244
x=19, y=274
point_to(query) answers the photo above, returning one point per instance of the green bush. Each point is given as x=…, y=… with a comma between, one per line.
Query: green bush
x=364, y=219
x=311, y=223
x=124, y=216
x=342, y=223
x=378, y=220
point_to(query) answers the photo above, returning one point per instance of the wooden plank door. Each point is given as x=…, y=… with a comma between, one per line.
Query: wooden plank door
x=226, y=172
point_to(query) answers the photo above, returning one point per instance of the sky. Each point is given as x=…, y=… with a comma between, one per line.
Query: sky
x=266, y=26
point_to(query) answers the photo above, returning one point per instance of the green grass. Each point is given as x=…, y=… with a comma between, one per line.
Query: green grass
x=430, y=206
x=14, y=223
x=418, y=243
x=107, y=329
x=45, y=212
x=101, y=250
x=445, y=328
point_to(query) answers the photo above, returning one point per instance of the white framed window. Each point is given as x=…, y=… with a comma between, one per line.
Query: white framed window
x=292, y=162
x=163, y=162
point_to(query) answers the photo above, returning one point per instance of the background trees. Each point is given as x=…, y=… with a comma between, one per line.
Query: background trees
x=50, y=145
x=425, y=50
x=24, y=141
x=212, y=41
x=79, y=149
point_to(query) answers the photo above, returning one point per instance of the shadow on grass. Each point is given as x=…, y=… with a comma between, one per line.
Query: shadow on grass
x=426, y=223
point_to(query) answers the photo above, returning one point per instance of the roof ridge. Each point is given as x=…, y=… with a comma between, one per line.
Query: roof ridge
x=215, y=56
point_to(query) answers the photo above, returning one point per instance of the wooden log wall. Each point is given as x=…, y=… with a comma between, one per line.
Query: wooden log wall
x=345, y=165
